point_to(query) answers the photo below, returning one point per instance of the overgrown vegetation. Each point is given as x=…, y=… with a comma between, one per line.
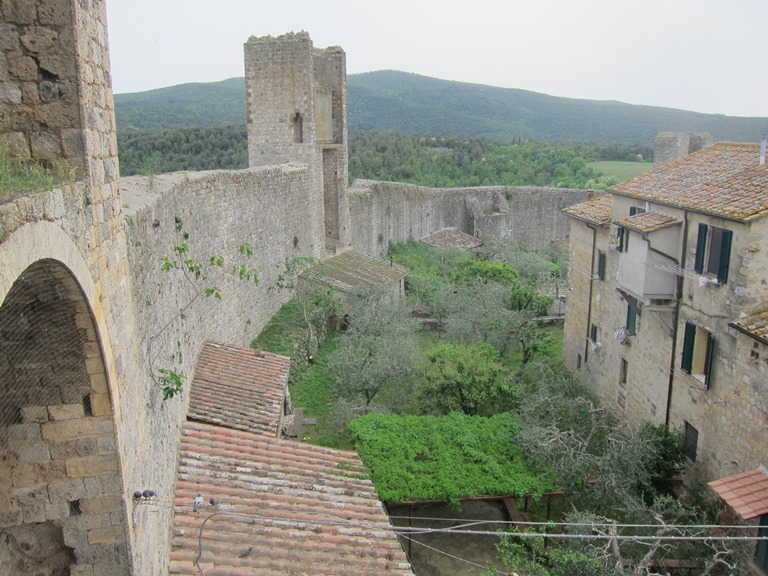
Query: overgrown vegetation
x=448, y=458
x=19, y=176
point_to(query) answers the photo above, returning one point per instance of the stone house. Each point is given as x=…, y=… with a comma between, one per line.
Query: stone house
x=666, y=314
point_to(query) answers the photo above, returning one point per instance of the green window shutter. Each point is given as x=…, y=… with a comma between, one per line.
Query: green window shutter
x=688, y=342
x=725, y=257
x=709, y=361
x=701, y=247
x=601, y=265
x=631, y=315
x=632, y=210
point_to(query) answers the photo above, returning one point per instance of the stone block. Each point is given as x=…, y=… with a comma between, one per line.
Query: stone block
x=25, y=475
x=10, y=518
x=10, y=93
x=99, y=552
x=19, y=11
x=54, y=12
x=94, y=365
x=34, y=513
x=74, y=536
x=9, y=37
x=65, y=411
x=57, y=113
x=39, y=39
x=115, y=567
x=22, y=68
x=45, y=146
x=68, y=430
x=81, y=570
x=57, y=511
x=107, y=535
x=92, y=465
x=102, y=504
x=20, y=434
x=101, y=405
x=66, y=490
x=34, y=414
x=89, y=521
x=34, y=454
x=17, y=143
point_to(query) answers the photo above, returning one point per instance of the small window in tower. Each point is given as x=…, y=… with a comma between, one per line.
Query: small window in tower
x=298, y=128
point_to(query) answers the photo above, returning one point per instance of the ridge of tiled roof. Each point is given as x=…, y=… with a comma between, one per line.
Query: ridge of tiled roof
x=746, y=493
x=239, y=388
x=755, y=324
x=284, y=508
x=596, y=211
x=648, y=221
x=351, y=269
x=452, y=238
x=725, y=179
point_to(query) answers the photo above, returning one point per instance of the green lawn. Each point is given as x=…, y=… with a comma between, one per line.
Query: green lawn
x=622, y=170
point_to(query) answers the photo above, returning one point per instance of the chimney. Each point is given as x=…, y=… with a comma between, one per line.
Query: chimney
x=762, y=151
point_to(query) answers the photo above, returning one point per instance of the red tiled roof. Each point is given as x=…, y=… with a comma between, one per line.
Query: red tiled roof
x=285, y=508
x=725, y=179
x=452, y=238
x=597, y=211
x=648, y=221
x=239, y=388
x=755, y=325
x=746, y=493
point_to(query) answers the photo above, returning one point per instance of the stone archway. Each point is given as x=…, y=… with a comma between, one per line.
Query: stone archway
x=61, y=489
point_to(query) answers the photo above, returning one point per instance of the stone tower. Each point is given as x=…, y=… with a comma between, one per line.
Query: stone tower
x=296, y=105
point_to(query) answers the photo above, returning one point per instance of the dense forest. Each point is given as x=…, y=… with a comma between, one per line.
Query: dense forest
x=423, y=160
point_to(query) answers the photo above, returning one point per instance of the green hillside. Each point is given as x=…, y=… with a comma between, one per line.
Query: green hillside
x=392, y=101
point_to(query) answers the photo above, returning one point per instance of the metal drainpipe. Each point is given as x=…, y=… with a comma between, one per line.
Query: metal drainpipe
x=591, y=282
x=680, y=280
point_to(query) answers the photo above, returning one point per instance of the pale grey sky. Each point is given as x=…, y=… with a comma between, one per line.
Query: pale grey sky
x=701, y=55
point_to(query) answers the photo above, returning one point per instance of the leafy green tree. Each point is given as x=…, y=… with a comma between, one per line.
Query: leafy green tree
x=378, y=349
x=455, y=377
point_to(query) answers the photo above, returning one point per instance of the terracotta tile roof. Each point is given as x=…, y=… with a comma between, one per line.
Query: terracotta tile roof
x=285, y=508
x=351, y=269
x=596, y=211
x=746, y=493
x=724, y=179
x=452, y=238
x=755, y=325
x=648, y=221
x=239, y=388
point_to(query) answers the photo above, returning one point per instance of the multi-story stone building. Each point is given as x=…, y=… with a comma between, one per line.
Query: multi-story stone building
x=667, y=314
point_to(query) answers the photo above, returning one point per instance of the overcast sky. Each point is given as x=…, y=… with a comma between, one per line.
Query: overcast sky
x=701, y=55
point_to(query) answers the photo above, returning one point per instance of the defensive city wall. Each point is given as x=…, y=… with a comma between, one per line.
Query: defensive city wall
x=88, y=317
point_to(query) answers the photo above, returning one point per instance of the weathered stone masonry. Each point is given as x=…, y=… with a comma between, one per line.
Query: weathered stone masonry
x=87, y=314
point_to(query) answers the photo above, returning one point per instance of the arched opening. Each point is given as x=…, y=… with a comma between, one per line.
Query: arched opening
x=61, y=490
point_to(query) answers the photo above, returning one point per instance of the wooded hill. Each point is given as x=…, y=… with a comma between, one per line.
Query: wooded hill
x=393, y=101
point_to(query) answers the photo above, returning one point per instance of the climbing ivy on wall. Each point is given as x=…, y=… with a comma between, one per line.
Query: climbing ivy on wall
x=448, y=458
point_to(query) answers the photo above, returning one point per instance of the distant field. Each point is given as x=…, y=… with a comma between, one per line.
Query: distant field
x=622, y=170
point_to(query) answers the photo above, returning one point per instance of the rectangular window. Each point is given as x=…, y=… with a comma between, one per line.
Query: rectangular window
x=691, y=442
x=593, y=333
x=633, y=210
x=578, y=361
x=600, y=265
x=698, y=349
x=623, y=373
x=631, y=314
x=622, y=239
x=713, y=252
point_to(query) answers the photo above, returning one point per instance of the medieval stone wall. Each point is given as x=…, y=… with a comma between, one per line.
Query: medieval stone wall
x=390, y=212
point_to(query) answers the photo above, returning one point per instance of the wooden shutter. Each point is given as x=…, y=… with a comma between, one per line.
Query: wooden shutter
x=709, y=360
x=701, y=248
x=688, y=343
x=725, y=257
x=631, y=315
x=601, y=265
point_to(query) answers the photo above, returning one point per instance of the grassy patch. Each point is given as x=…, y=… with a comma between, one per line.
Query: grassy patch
x=312, y=387
x=621, y=170
x=19, y=176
